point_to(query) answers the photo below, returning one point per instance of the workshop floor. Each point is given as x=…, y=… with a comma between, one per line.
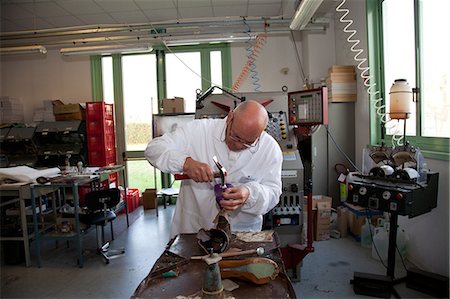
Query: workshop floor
x=325, y=273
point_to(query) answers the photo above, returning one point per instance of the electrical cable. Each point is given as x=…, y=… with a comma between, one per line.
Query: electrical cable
x=398, y=250
x=341, y=151
x=372, y=91
x=251, y=58
x=302, y=72
x=371, y=238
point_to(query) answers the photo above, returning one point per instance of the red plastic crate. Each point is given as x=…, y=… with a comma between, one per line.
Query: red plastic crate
x=99, y=110
x=100, y=134
x=103, y=157
x=132, y=199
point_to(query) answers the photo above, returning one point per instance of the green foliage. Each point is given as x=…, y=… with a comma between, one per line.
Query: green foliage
x=138, y=133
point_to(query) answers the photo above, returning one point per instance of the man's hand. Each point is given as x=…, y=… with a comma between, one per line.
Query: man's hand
x=198, y=171
x=234, y=197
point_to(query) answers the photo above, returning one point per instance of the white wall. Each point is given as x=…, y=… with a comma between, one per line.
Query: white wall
x=277, y=53
x=34, y=78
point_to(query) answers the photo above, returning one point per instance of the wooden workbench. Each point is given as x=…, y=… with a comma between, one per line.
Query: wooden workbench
x=190, y=272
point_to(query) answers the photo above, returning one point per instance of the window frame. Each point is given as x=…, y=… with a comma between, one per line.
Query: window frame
x=159, y=51
x=431, y=147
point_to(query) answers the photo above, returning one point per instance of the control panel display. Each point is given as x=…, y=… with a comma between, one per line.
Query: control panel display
x=308, y=107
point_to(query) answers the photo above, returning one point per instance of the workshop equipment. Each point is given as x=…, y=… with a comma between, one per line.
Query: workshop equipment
x=259, y=270
x=189, y=278
x=259, y=251
x=221, y=174
x=213, y=239
x=216, y=238
x=212, y=281
x=398, y=192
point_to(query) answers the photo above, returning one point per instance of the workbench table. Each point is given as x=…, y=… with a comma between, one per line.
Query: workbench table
x=190, y=272
x=72, y=182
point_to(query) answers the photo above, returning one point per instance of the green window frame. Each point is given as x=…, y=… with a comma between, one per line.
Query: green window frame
x=431, y=147
x=160, y=51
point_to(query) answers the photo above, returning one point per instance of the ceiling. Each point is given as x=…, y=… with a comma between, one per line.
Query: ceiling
x=50, y=21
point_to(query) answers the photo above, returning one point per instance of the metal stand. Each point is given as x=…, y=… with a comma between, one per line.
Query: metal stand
x=380, y=285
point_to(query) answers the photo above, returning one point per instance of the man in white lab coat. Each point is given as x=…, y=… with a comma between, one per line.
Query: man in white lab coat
x=251, y=157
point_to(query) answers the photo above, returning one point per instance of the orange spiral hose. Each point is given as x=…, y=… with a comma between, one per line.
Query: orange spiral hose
x=259, y=43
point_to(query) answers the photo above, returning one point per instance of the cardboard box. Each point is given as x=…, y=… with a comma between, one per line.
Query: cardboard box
x=321, y=199
x=357, y=217
x=336, y=68
x=149, y=199
x=342, y=221
x=175, y=105
x=322, y=219
x=69, y=111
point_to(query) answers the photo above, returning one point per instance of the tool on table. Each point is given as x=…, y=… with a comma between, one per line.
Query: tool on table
x=212, y=282
x=259, y=251
x=259, y=270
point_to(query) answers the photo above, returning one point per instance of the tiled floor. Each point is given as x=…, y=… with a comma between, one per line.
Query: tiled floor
x=325, y=273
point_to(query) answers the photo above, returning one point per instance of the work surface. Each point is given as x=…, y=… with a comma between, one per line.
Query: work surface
x=190, y=272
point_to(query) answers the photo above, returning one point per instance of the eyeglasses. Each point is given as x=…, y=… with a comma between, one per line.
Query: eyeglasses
x=238, y=139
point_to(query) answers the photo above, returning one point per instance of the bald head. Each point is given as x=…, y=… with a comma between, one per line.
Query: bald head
x=246, y=123
x=252, y=114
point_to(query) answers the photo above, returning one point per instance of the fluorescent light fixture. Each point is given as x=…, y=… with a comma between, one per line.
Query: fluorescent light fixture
x=105, y=49
x=23, y=50
x=304, y=13
x=199, y=40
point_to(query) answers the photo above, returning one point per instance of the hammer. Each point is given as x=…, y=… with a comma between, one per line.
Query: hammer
x=259, y=251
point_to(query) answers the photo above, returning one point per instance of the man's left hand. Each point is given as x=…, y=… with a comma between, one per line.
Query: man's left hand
x=234, y=197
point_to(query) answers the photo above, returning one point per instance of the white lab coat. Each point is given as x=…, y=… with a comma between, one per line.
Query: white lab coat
x=258, y=168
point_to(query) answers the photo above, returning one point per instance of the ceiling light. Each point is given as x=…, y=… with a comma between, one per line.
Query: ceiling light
x=304, y=13
x=105, y=49
x=23, y=50
x=196, y=41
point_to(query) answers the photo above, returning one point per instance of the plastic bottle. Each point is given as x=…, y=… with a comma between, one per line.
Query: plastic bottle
x=380, y=243
x=366, y=234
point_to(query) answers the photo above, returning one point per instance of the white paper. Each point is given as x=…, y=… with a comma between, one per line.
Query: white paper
x=26, y=174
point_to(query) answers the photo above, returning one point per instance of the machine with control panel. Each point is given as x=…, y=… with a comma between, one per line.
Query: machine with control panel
x=393, y=180
x=287, y=217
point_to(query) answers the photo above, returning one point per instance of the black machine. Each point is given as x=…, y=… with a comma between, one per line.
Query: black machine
x=394, y=180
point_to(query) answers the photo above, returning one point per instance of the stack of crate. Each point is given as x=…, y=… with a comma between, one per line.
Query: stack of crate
x=341, y=83
x=101, y=139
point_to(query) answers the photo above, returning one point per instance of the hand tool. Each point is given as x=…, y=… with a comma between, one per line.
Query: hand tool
x=222, y=171
x=259, y=251
x=183, y=176
x=221, y=174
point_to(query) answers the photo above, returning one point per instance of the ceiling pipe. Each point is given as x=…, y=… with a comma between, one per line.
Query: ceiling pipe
x=23, y=50
x=98, y=29
x=105, y=49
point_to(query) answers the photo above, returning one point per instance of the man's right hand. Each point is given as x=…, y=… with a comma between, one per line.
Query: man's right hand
x=198, y=171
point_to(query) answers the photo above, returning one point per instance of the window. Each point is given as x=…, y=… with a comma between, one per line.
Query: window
x=137, y=82
x=406, y=44
x=183, y=77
